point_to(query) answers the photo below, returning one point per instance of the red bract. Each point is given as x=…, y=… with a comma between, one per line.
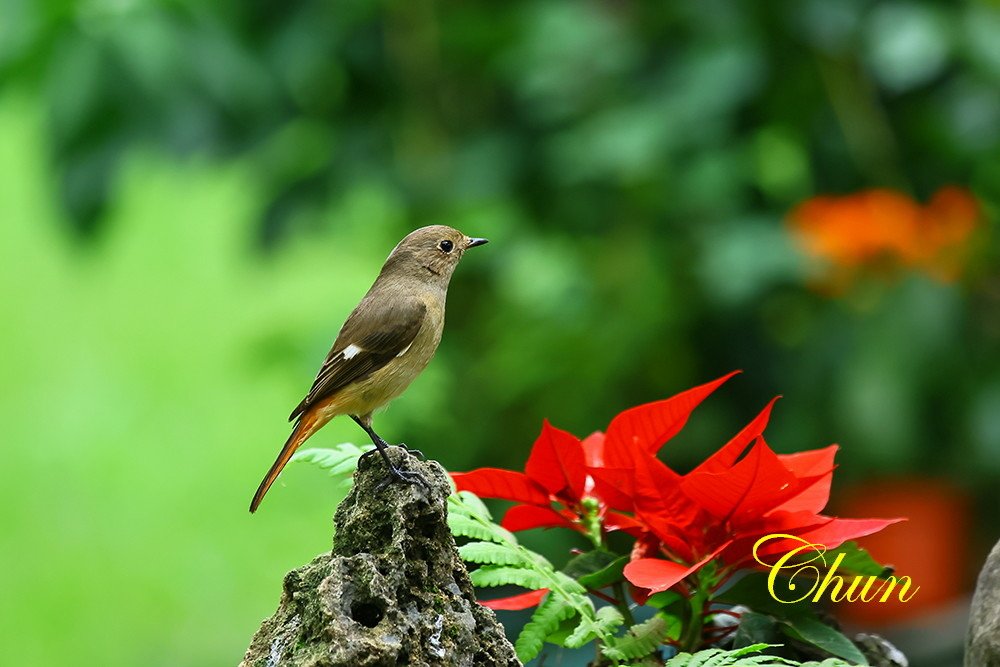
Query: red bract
x=516, y=602
x=645, y=428
x=553, y=489
x=741, y=493
x=765, y=493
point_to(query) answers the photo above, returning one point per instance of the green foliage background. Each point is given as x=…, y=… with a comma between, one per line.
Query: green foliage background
x=193, y=196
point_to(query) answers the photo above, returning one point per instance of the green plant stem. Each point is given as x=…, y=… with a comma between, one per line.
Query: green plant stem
x=691, y=637
x=596, y=535
x=619, y=590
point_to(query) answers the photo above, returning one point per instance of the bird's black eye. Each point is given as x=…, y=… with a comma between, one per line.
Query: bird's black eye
x=446, y=245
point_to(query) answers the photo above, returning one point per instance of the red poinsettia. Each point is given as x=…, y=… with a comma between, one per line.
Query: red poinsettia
x=555, y=488
x=614, y=481
x=742, y=493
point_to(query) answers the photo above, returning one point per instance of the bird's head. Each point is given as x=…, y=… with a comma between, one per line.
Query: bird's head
x=430, y=254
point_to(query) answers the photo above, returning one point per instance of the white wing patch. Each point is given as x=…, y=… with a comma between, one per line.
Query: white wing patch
x=405, y=350
x=351, y=351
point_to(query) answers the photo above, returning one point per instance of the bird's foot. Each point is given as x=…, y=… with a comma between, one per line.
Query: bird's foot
x=415, y=452
x=404, y=476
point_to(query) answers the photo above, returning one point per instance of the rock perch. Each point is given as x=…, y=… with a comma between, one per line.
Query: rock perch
x=392, y=592
x=982, y=643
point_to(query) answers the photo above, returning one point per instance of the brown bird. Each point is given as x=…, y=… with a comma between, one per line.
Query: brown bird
x=384, y=345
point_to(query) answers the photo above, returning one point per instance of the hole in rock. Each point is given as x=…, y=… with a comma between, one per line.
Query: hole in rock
x=367, y=614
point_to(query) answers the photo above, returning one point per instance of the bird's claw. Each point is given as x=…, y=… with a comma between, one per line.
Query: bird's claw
x=415, y=452
x=404, y=476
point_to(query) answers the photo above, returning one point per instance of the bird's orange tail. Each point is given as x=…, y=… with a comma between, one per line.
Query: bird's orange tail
x=306, y=426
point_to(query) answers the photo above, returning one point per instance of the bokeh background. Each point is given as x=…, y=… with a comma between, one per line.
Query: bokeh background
x=194, y=195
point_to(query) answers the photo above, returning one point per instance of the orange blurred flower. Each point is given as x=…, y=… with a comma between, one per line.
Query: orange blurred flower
x=879, y=227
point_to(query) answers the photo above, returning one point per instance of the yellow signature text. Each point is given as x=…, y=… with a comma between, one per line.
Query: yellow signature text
x=805, y=567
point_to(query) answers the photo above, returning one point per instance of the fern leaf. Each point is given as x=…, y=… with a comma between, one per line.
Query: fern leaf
x=503, y=561
x=465, y=526
x=752, y=648
x=491, y=553
x=543, y=623
x=679, y=660
x=469, y=503
x=743, y=657
x=606, y=621
x=580, y=636
x=768, y=661
x=740, y=657
x=468, y=517
x=570, y=585
x=500, y=575
x=640, y=640
x=713, y=657
x=717, y=659
x=340, y=460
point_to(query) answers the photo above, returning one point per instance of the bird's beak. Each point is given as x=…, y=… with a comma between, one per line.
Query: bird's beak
x=474, y=242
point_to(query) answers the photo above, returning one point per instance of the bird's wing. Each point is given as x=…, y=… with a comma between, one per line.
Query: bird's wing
x=372, y=337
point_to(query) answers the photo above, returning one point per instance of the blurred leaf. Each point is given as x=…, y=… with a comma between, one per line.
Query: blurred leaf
x=816, y=633
x=857, y=561
x=908, y=44
x=755, y=628
x=606, y=576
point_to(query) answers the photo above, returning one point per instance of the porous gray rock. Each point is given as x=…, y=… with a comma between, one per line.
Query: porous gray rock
x=393, y=591
x=982, y=642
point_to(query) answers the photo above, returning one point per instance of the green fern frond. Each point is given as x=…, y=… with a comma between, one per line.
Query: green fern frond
x=748, y=650
x=550, y=613
x=640, y=640
x=715, y=657
x=468, y=503
x=463, y=525
x=603, y=625
x=491, y=553
x=503, y=561
x=339, y=461
x=743, y=657
x=503, y=575
x=569, y=585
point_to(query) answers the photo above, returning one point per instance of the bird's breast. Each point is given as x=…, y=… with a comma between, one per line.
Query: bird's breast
x=392, y=379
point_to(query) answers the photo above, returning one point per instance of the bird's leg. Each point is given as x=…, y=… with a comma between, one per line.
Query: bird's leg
x=410, y=450
x=375, y=439
x=381, y=446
